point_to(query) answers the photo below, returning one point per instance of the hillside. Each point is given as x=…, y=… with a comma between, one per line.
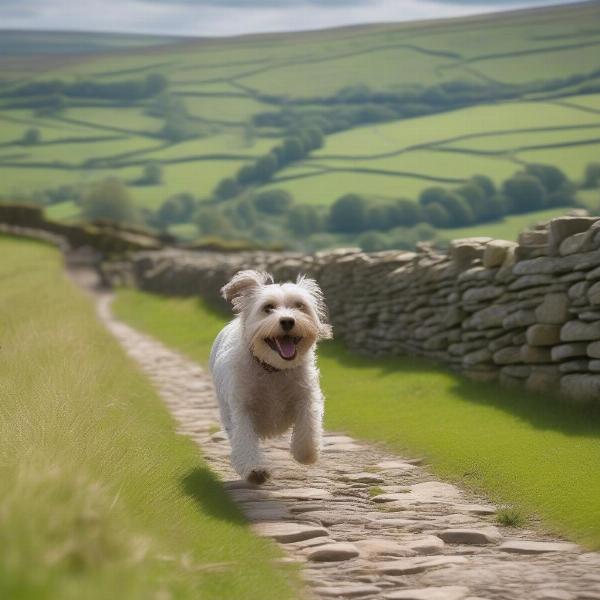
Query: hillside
x=397, y=108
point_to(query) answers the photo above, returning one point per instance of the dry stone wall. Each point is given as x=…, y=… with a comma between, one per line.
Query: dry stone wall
x=525, y=313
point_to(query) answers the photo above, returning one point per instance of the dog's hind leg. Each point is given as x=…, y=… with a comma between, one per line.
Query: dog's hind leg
x=246, y=455
x=306, y=437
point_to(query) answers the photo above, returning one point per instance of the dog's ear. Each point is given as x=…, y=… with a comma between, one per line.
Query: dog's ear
x=242, y=285
x=312, y=287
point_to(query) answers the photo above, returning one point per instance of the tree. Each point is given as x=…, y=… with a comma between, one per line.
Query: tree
x=293, y=149
x=212, y=222
x=155, y=83
x=381, y=217
x=177, y=209
x=32, y=136
x=109, y=199
x=436, y=215
x=409, y=212
x=315, y=137
x=247, y=174
x=591, y=176
x=552, y=177
x=373, y=241
x=525, y=193
x=304, y=220
x=152, y=174
x=265, y=167
x=431, y=195
x=274, y=202
x=485, y=183
x=226, y=188
x=348, y=214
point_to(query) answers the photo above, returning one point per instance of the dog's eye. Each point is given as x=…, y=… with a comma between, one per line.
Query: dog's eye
x=300, y=306
x=268, y=308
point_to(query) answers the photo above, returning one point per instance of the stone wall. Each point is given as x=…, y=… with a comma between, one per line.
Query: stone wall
x=105, y=237
x=525, y=313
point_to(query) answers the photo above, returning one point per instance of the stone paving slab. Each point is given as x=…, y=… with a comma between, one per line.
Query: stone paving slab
x=425, y=540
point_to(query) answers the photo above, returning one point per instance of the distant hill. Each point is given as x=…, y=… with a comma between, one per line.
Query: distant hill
x=384, y=111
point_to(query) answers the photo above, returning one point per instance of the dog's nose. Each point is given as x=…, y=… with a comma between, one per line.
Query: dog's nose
x=286, y=323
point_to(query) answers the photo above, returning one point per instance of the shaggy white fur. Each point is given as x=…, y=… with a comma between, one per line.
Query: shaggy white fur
x=264, y=368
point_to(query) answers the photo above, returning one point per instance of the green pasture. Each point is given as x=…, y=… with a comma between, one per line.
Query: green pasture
x=454, y=127
x=532, y=452
x=323, y=189
x=224, y=108
x=220, y=82
x=222, y=142
x=99, y=496
x=122, y=117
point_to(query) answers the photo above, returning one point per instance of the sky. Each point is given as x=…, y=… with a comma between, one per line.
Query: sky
x=232, y=17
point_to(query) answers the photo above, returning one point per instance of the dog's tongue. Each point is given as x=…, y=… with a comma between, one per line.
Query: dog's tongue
x=286, y=346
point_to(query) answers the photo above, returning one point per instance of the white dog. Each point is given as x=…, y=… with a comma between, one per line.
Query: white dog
x=264, y=368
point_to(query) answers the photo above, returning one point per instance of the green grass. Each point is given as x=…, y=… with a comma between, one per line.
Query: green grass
x=510, y=517
x=99, y=497
x=536, y=454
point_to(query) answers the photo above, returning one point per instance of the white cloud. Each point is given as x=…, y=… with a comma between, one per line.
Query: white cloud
x=228, y=17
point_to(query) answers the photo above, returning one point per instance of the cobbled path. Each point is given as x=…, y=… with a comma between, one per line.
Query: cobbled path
x=365, y=523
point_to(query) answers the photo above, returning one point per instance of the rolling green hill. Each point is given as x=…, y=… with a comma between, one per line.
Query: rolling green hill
x=403, y=107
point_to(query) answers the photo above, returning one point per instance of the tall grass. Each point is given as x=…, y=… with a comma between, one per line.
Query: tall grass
x=99, y=498
x=531, y=452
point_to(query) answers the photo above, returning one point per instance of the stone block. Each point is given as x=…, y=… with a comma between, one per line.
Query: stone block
x=541, y=334
x=565, y=351
x=495, y=253
x=535, y=355
x=554, y=309
x=508, y=356
x=581, y=388
x=580, y=331
x=563, y=227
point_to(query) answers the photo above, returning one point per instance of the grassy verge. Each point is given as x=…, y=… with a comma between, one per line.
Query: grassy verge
x=99, y=498
x=534, y=453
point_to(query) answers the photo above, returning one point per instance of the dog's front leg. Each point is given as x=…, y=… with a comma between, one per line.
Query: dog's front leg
x=246, y=455
x=306, y=437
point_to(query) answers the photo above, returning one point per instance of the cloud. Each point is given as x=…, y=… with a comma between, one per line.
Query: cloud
x=230, y=17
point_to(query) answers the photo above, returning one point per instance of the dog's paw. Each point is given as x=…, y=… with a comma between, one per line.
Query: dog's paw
x=306, y=456
x=258, y=476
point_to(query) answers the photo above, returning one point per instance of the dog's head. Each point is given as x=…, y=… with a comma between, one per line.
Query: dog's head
x=281, y=322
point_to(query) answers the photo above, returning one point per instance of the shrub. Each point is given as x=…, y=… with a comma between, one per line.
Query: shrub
x=348, y=214
x=110, y=200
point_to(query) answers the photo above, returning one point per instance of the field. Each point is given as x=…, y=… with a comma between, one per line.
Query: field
x=99, y=497
x=472, y=433
x=533, y=96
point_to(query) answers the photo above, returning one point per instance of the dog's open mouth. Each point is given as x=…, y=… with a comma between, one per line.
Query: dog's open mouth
x=284, y=345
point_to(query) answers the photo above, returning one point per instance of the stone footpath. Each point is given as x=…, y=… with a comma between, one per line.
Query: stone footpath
x=365, y=523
